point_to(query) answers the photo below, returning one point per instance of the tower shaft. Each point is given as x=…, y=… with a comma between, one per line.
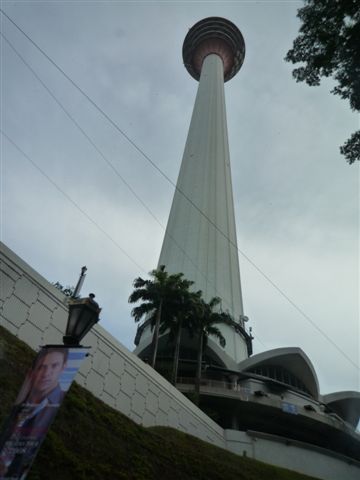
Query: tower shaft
x=200, y=239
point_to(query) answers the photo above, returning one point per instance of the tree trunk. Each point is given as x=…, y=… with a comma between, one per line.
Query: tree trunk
x=155, y=339
x=176, y=354
x=198, y=369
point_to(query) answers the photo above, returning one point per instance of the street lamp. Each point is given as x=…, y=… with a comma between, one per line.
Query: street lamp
x=83, y=314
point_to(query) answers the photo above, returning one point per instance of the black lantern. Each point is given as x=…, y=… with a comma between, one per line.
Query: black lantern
x=83, y=314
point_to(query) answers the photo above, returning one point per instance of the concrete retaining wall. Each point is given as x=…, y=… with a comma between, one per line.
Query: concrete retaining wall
x=35, y=311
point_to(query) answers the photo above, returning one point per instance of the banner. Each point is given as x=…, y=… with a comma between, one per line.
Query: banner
x=35, y=408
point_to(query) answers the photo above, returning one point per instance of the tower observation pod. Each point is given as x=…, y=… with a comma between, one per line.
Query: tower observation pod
x=200, y=239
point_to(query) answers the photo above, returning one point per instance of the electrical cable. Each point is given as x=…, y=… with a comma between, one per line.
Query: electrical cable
x=132, y=142
x=34, y=164
x=108, y=162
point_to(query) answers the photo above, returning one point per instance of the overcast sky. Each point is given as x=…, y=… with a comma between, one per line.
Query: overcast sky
x=296, y=199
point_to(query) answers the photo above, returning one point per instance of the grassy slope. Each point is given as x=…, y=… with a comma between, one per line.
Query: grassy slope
x=90, y=440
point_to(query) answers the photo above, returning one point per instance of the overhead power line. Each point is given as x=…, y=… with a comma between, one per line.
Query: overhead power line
x=67, y=196
x=163, y=174
x=109, y=163
x=93, y=222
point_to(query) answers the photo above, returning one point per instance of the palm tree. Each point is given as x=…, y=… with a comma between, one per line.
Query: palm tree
x=206, y=326
x=160, y=295
x=184, y=318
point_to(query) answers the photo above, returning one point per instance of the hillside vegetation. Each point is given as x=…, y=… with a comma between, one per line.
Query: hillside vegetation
x=90, y=440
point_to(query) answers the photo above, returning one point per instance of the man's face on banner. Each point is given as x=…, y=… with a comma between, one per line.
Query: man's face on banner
x=47, y=372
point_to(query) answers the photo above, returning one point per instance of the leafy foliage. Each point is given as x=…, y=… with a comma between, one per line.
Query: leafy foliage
x=329, y=45
x=185, y=317
x=91, y=441
x=162, y=288
x=163, y=298
x=171, y=306
x=351, y=148
x=67, y=291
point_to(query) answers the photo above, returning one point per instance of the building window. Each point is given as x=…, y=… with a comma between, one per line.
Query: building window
x=280, y=374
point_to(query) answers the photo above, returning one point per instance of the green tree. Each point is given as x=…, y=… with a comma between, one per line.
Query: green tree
x=328, y=44
x=161, y=296
x=185, y=317
x=207, y=319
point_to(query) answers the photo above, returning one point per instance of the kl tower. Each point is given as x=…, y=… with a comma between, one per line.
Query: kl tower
x=269, y=404
x=200, y=239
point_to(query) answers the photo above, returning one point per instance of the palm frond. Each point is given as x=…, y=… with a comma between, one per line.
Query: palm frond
x=141, y=311
x=215, y=332
x=139, y=294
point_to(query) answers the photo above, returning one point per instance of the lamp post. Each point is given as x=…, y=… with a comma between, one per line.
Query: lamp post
x=83, y=314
